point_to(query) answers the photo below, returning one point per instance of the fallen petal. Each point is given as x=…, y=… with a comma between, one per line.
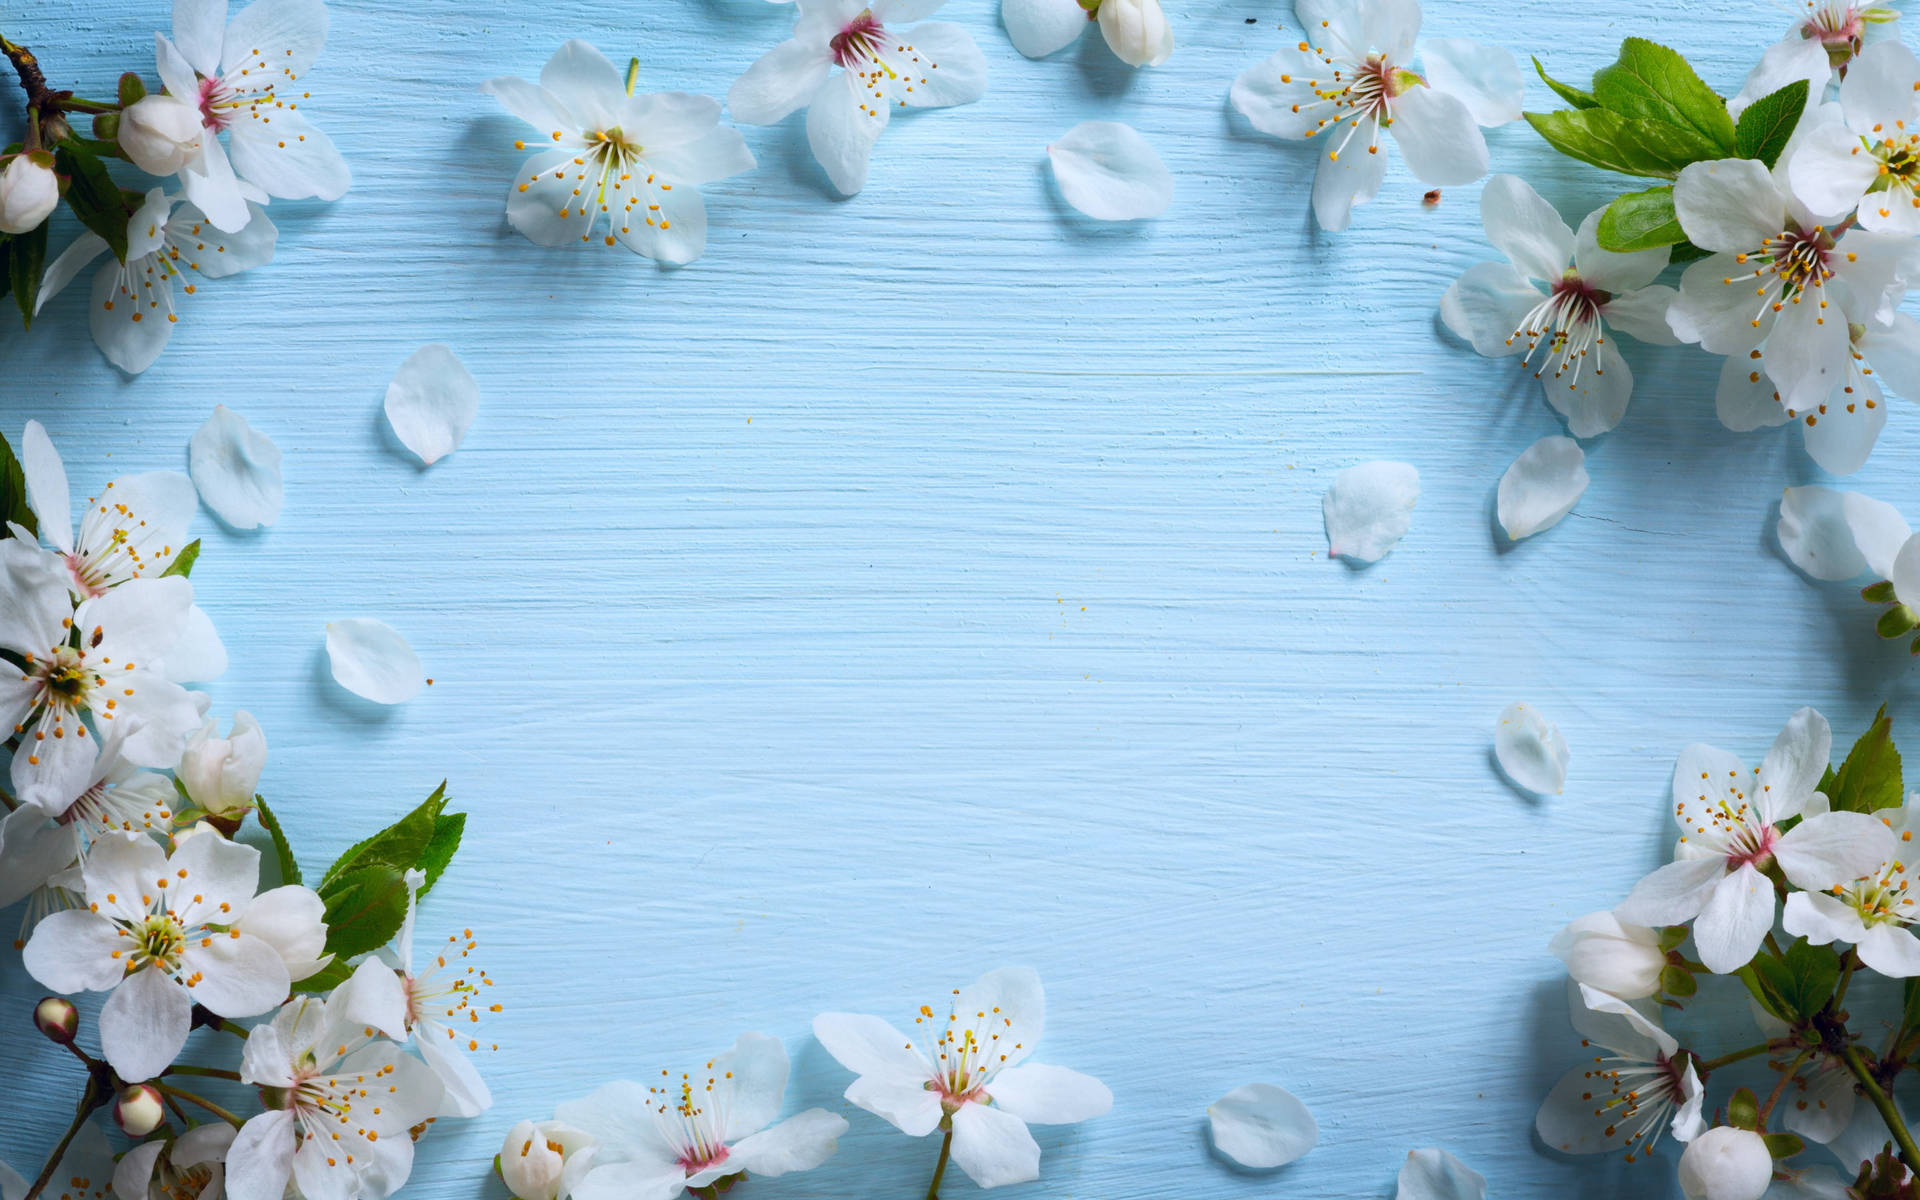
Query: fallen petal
x=236, y=470
x=1542, y=486
x=1262, y=1126
x=1436, y=1175
x=1531, y=750
x=1369, y=508
x=431, y=402
x=1815, y=533
x=371, y=659
x=1107, y=171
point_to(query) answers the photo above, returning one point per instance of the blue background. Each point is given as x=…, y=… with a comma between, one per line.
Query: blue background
x=934, y=580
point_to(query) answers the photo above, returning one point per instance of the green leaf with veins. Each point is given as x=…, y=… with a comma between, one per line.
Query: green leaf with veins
x=1654, y=83
x=1769, y=122
x=1640, y=221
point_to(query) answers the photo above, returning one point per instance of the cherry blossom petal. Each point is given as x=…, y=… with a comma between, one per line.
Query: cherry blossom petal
x=1746, y=399
x=1878, y=529
x=540, y=201
x=842, y=127
x=1793, y=766
x=1614, y=1024
x=371, y=659
x=128, y=310
x=1037, y=28
x=67, y=265
x=291, y=919
x=1487, y=305
x=1262, y=1126
x=945, y=67
x=1486, y=79
x=1833, y=848
x=1042, y=1094
x=1880, y=86
x=754, y=1072
x=780, y=82
x=906, y=1103
x=236, y=470
x=1894, y=354
x=1808, y=355
x=1841, y=438
x=72, y=951
x=211, y=186
x=237, y=976
x=286, y=33
x=993, y=1147
x=291, y=158
x=33, y=849
x=1542, y=486
x=630, y=1180
x=197, y=655
x=135, y=1170
x=1823, y=1109
x=1642, y=313
x=1891, y=950
x=47, y=490
x=717, y=154
x=1781, y=64
x=144, y=1024
x=261, y=1157
x=1672, y=894
x=1828, y=171
x=1437, y=136
x=1107, y=170
x=374, y=996
x=1718, y=317
x=1530, y=750
x=466, y=1095
x=1728, y=204
x=1369, y=508
x=1906, y=572
x=1342, y=184
x=1597, y=398
x=868, y=1046
x=1572, y=1120
x=1274, y=94
x=1525, y=228
x=431, y=402
x=799, y=1143
x=530, y=102
x=1814, y=532
x=672, y=230
x=216, y=879
x=1821, y=919
x=1434, y=1174
x=585, y=83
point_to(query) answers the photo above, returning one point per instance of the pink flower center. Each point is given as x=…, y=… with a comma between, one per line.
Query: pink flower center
x=213, y=94
x=1752, y=847
x=696, y=1161
x=1836, y=26
x=859, y=42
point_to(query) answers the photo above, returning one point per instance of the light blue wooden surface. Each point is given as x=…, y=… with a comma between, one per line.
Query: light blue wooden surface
x=935, y=580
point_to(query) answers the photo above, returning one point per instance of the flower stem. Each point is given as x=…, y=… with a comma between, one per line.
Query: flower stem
x=167, y=1089
x=90, y=1099
x=207, y=1072
x=1889, y=1112
x=940, y=1166
x=237, y=1030
x=1714, y=1064
x=1846, y=977
x=1779, y=1089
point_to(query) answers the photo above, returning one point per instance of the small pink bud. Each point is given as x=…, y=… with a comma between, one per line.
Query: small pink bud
x=57, y=1018
x=139, y=1109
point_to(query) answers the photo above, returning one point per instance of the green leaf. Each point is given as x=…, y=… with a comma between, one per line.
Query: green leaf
x=1572, y=95
x=93, y=196
x=326, y=978
x=1869, y=780
x=13, y=490
x=1628, y=145
x=1743, y=1109
x=182, y=564
x=1783, y=1145
x=399, y=846
x=1640, y=221
x=26, y=262
x=1686, y=252
x=365, y=907
x=1802, y=980
x=1653, y=83
x=447, y=829
x=1769, y=121
x=1897, y=621
x=1677, y=981
x=289, y=869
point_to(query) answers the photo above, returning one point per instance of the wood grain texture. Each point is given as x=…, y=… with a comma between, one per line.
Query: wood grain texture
x=934, y=580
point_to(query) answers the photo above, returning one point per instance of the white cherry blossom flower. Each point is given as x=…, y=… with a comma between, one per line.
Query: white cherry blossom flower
x=345, y=1102
x=1609, y=955
x=220, y=774
x=1780, y=278
x=1352, y=77
x=98, y=660
x=1729, y=818
x=189, y=1167
x=696, y=1128
x=1637, y=1087
x=1864, y=153
x=882, y=65
x=427, y=1005
x=134, y=528
x=1137, y=31
x=636, y=161
x=240, y=77
x=157, y=933
x=132, y=308
x=964, y=1070
x=1555, y=298
x=541, y=1160
x=1873, y=913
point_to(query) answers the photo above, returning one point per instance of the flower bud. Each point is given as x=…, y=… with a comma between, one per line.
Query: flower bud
x=221, y=773
x=57, y=1018
x=139, y=1110
x=160, y=134
x=534, y=1158
x=181, y=837
x=28, y=191
x=1137, y=31
x=1603, y=952
x=1725, y=1163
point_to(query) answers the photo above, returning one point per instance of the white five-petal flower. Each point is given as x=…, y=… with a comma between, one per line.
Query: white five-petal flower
x=964, y=1070
x=1730, y=818
x=696, y=1128
x=1352, y=78
x=1555, y=298
x=1873, y=913
x=1864, y=153
x=1627, y=1098
x=636, y=161
x=158, y=933
x=882, y=65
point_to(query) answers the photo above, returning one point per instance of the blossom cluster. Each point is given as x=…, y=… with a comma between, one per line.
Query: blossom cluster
x=123, y=836
x=1794, y=880
x=224, y=127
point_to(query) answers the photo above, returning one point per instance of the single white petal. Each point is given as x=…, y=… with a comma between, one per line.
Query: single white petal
x=1107, y=170
x=67, y=265
x=1878, y=529
x=1830, y=170
x=374, y=996
x=1720, y=318
x=431, y=402
x=1037, y=28
x=1879, y=87
x=238, y=976
x=197, y=655
x=780, y=82
x=1735, y=919
x=466, y=1094
x=530, y=102
x=1783, y=62
x=1728, y=204
x=210, y=185
x=128, y=310
x=1842, y=437
x=1906, y=572
x=1815, y=534
x=1894, y=354
x=261, y=1157
x=1574, y=1120
x=1488, y=306
x=1344, y=183
x=1486, y=78
x=1891, y=950
x=754, y=1071
x=673, y=229
x=1824, y=1106
x=1433, y=1174
x=1525, y=228
x=631, y=1180
x=799, y=1143
x=942, y=66
x=1821, y=918
x=1641, y=314
x=1368, y=508
x=1542, y=486
x=291, y=919
x=1672, y=894
x=720, y=153
x=287, y=35
x=369, y=658
x=72, y=950
x=1043, y=1094
x=218, y=256
x=47, y=491
x=1531, y=750
x=1259, y=1125
x=291, y=158
x=236, y=470
x=1808, y=355
x=144, y=1024
x=135, y=1171
x=1597, y=398
x=585, y=83
x=842, y=128
x=994, y=1148
x=1614, y=1024
x=1275, y=95
x=1746, y=399
x=1438, y=138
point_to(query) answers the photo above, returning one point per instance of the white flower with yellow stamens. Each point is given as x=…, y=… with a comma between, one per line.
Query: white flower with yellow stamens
x=1352, y=78
x=636, y=161
x=1873, y=913
x=696, y=1128
x=964, y=1071
x=340, y=1104
x=435, y=1006
x=158, y=933
x=134, y=528
x=1865, y=153
x=132, y=310
x=1627, y=1098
